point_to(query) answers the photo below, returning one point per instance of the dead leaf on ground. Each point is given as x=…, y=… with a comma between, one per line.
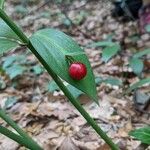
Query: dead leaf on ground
x=68, y=144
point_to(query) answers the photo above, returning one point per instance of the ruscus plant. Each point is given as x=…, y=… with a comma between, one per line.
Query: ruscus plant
x=51, y=47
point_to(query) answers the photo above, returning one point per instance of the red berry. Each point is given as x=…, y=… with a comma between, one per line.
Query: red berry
x=77, y=70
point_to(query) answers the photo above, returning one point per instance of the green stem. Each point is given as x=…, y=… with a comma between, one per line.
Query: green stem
x=28, y=139
x=15, y=137
x=75, y=102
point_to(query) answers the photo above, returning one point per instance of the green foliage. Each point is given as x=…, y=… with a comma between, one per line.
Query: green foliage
x=15, y=70
x=74, y=91
x=109, y=52
x=101, y=44
x=138, y=84
x=142, y=134
x=53, y=46
x=136, y=62
x=109, y=80
x=37, y=69
x=110, y=49
x=113, y=81
x=14, y=65
x=21, y=10
x=52, y=86
x=137, y=65
x=8, y=39
x=141, y=53
x=6, y=45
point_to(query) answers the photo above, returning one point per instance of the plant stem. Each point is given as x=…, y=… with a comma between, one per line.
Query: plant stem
x=27, y=139
x=15, y=137
x=75, y=102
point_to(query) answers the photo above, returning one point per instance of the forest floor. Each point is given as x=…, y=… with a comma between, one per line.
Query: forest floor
x=37, y=104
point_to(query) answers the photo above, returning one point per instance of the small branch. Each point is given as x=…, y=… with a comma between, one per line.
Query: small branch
x=25, y=137
x=15, y=137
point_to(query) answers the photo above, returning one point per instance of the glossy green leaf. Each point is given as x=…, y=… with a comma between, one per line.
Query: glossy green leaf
x=142, y=134
x=53, y=46
x=138, y=84
x=142, y=53
x=110, y=51
x=136, y=65
x=8, y=39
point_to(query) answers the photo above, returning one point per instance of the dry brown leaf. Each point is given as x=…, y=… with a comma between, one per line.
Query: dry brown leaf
x=123, y=132
x=68, y=144
x=104, y=147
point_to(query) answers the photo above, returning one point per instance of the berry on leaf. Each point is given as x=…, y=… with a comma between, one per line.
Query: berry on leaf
x=77, y=70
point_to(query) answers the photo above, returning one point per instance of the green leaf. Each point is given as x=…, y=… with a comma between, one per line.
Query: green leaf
x=8, y=39
x=15, y=70
x=142, y=134
x=136, y=65
x=8, y=61
x=6, y=45
x=113, y=81
x=53, y=46
x=110, y=51
x=74, y=91
x=52, y=86
x=7, y=32
x=37, y=69
x=141, y=53
x=138, y=84
x=101, y=44
x=21, y=10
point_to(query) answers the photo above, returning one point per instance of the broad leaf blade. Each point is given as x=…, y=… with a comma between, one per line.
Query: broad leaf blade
x=138, y=84
x=7, y=32
x=8, y=39
x=136, y=65
x=109, y=52
x=6, y=45
x=142, y=134
x=53, y=45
